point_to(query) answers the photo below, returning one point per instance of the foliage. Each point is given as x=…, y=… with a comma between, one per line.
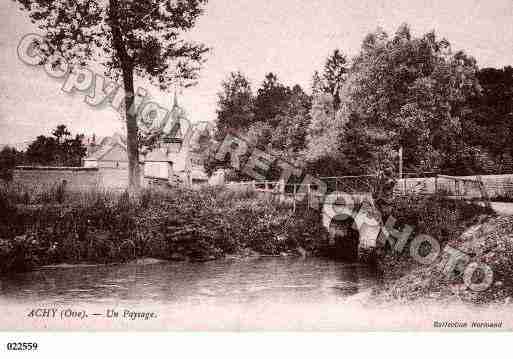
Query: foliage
x=409, y=92
x=441, y=218
x=489, y=242
x=271, y=100
x=334, y=76
x=59, y=150
x=9, y=158
x=142, y=38
x=105, y=227
x=399, y=92
x=488, y=123
x=276, y=120
x=290, y=133
x=235, y=104
x=416, y=88
x=323, y=131
x=437, y=216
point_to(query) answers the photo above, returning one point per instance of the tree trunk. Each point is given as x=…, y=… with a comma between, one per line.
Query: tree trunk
x=132, y=141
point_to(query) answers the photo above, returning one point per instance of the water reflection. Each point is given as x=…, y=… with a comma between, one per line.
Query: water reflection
x=225, y=281
x=256, y=294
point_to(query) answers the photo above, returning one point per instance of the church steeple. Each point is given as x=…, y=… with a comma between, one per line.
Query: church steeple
x=172, y=131
x=175, y=100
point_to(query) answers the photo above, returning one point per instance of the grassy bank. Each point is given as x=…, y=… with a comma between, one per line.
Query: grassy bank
x=51, y=226
x=467, y=227
x=491, y=243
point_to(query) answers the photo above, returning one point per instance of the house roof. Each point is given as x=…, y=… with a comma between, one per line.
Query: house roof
x=105, y=150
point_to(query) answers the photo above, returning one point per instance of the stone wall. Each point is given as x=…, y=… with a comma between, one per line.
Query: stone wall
x=77, y=178
x=113, y=178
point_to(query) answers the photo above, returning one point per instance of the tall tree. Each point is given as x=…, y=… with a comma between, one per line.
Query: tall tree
x=289, y=136
x=488, y=124
x=317, y=84
x=324, y=128
x=334, y=75
x=402, y=83
x=130, y=38
x=272, y=98
x=235, y=105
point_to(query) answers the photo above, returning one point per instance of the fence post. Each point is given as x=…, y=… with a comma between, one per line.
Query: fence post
x=294, y=198
x=281, y=188
x=308, y=193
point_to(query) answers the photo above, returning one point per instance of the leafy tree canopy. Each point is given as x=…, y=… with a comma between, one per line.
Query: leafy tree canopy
x=142, y=38
x=235, y=103
x=60, y=149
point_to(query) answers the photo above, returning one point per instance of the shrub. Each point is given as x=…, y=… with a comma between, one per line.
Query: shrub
x=442, y=218
x=437, y=216
x=103, y=227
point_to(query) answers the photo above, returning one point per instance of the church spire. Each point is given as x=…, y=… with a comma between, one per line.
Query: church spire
x=175, y=100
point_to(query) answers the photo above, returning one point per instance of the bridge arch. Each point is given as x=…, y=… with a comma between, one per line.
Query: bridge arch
x=353, y=223
x=344, y=240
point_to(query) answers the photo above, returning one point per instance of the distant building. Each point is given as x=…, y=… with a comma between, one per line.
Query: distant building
x=110, y=152
x=110, y=156
x=171, y=160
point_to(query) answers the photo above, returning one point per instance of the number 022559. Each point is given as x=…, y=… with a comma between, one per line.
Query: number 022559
x=19, y=346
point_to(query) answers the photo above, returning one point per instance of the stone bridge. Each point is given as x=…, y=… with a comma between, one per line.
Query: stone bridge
x=352, y=220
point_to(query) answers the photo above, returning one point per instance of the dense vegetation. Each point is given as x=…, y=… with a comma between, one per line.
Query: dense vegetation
x=59, y=149
x=399, y=91
x=112, y=34
x=489, y=242
x=441, y=218
x=53, y=226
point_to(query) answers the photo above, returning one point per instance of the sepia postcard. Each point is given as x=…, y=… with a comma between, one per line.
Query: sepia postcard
x=242, y=166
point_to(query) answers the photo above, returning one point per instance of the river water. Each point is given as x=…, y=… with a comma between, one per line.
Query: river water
x=250, y=294
x=225, y=281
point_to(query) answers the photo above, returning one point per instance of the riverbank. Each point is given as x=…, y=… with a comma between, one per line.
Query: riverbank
x=477, y=233
x=39, y=228
x=69, y=229
x=489, y=242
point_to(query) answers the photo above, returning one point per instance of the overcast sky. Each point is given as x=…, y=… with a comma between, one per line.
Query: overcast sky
x=288, y=37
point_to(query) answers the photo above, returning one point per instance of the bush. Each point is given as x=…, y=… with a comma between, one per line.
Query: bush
x=490, y=243
x=437, y=216
x=105, y=227
x=442, y=218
